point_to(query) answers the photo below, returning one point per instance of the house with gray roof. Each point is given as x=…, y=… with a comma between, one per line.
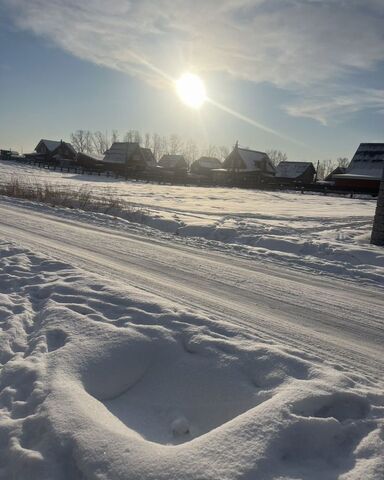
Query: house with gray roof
x=295, y=173
x=245, y=166
x=365, y=170
x=53, y=151
x=205, y=165
x=173, y=163
x=128, y=157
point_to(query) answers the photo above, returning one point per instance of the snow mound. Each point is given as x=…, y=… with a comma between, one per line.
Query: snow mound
x=100, y=380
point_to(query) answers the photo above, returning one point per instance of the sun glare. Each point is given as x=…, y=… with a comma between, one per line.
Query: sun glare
x=191, y=90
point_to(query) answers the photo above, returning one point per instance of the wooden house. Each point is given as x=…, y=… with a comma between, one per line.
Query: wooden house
x=175, y=163
x=248, y=167
x=53, y=151
x=365, y=170
x=128, y=158
x=204, y=166
x=294, y=173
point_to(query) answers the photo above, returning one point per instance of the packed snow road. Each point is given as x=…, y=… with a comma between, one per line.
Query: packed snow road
x=339, y=322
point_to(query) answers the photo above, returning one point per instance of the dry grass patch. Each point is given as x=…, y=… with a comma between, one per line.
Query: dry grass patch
x=64, y=196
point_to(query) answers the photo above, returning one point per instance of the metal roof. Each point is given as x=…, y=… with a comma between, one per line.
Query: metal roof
x=173, y=161
x=293, y=169
x=120, y=152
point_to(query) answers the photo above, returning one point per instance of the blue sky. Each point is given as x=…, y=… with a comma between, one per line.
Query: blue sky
x=312, y=71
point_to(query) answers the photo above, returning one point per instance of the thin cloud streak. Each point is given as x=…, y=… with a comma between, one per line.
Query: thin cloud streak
x=330, y=107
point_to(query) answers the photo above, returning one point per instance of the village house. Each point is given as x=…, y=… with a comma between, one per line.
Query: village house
x=204, y=166
x=53, y=151
x=245, y=166
x=365, y=170
x=175, y=163
x=294, y=173
x=128, y=158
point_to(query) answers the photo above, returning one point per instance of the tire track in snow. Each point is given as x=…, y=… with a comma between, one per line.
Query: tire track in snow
x=334, y=321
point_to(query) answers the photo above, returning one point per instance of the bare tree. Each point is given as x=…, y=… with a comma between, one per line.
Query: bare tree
x=163, y=146
x=342, y=162
x=137, y=137
x=156, y=145
x=129, y=136
x=325, y=168
x=175, y=144
x=276, y=156
x=190, y=151
x=147, y=140
x=114, y=136
x=223, y=152
x=377, y=237
x=78, y=140
x=100, y=142
x=211, y=151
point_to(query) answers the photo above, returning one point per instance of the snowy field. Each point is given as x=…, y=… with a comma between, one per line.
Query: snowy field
x=328, y=234
x=232, y=335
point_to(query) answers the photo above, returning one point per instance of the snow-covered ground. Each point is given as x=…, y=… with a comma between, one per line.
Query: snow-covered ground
x=328, y=234
x=100, y=380
x=128, y=352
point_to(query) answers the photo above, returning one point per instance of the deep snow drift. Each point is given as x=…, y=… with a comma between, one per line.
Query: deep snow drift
x=102, y=381
x=326, y=234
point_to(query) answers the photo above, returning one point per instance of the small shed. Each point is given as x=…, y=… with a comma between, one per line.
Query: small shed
x=295, y=173
x=205, y=165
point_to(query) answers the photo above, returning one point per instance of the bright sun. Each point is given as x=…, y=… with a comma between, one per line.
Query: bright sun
x=191, y=90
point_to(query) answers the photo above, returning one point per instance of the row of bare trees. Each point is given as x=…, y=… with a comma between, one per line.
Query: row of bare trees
x=98, y=142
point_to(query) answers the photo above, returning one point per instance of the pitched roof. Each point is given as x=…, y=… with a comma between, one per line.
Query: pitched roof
x=293, y=169
x=53, y=144
x=148, y=156
x=208, y=162
x=50, y=144
x=173, y=161
x=336, y=171
x=254, y=161
x=368, y=162
x=120, y=152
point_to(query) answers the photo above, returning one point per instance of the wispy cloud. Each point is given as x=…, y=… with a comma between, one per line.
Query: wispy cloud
x=294, y=44
x=330, y=107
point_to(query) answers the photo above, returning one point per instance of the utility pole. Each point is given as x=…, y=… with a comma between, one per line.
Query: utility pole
x=377, y=237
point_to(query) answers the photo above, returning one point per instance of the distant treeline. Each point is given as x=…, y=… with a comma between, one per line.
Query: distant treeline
x=98, y=142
